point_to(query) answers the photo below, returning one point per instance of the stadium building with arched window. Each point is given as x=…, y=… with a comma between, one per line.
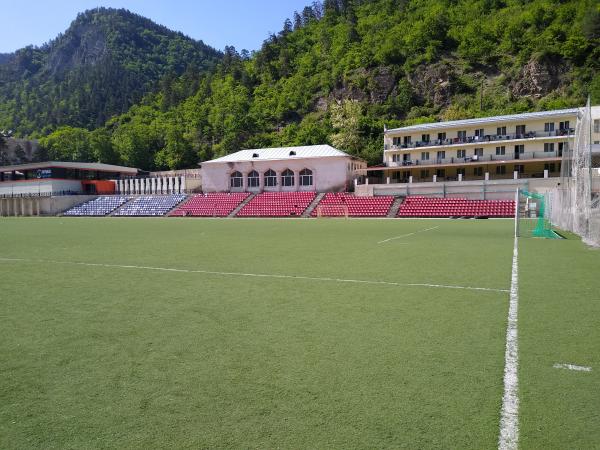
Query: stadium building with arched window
x=319, y=168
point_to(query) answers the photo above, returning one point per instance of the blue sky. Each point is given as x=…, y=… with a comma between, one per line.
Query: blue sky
x=244, y=24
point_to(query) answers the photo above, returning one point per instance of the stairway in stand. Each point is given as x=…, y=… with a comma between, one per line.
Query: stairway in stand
x=393, y=212
x=241, y=205
x=313, y=204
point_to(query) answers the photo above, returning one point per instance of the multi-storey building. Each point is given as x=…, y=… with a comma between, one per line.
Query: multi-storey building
x=502, y=147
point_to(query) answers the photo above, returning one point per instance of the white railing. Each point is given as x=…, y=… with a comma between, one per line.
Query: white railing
x=482, y=139
x=476, y=159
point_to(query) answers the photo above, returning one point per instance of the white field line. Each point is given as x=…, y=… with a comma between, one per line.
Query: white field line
x=408, y=234
x=256, y=275
x=509, y=419
x=572, y=367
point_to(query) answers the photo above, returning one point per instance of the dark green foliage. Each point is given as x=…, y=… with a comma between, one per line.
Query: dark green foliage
x=400, y=61
x=103, y=64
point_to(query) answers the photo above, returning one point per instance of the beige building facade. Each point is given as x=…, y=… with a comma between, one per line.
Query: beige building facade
x=515, y=146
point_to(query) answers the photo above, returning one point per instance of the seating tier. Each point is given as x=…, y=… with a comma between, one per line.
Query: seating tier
x=277, y=204
x=455, y=207
x=100, y=206
x=335, y=205
x=151, y=205
x=210, y=205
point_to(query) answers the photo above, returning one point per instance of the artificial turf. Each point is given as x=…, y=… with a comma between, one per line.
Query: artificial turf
x=126, y=357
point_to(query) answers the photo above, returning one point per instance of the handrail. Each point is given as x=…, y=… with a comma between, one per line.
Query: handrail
x=511, y=157
x=481, y=139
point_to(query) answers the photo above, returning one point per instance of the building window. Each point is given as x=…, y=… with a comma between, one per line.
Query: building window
x=237, y=180
x=479, y=132
x=440, y=173
x=395, y=157
x=519, y=150
x=425, y=156
x=461, y=153
x=501, y=150
x=270, y=178
x=478, y=152
x=549, y=126
x=442, y=136
x=478, y=171
x=564, y=125
x=596, y=125
x=306, y=177
x=287, y=178
x=520, y=168
x=425, y=138
x=424, y=173
x=550, y=167
x=548, y=147
x=500, y=170
x=501, y=131
x=520, y=130
x=407, y=140
x=253, y=180
x=461, y=135
x=441, y=154
x=396, y=141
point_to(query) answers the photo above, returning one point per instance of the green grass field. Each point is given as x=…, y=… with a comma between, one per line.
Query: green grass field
x=101, y=347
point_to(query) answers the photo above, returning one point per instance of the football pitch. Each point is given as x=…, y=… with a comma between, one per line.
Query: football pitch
x=190, y=333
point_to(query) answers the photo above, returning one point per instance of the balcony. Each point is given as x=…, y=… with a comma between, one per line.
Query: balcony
x=482, y=139
x=527, y=156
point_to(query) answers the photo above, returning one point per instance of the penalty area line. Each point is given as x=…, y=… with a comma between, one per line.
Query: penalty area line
x=408, y=234
x=257, y=275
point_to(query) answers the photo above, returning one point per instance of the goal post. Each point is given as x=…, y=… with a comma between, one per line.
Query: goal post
x=332, y=210
x=532, y=215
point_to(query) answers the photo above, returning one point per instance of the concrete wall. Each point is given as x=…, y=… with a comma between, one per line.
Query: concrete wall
x=475, y=190
x=40, y=206
x=329, y=174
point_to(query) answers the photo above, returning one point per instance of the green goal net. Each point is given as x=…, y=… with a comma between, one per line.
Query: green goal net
x=532, y=216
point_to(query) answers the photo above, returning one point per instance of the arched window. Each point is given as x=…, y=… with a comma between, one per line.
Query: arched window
x=253, y=180
x=287, y=178
x=306, y=177
x=270, y=178
x=237, y=180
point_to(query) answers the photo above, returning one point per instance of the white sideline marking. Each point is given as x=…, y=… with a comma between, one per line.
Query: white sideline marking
x=408, y=234
x=509, y=419
x=257, y=275
x=572, y=367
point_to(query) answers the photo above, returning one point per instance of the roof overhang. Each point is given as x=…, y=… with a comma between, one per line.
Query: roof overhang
x=486, y=120
x=96, y=167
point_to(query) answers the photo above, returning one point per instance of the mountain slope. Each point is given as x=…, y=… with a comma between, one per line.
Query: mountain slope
x=342, y=70
x=105, y=62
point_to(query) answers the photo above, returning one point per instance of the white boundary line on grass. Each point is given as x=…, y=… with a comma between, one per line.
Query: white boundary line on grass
x=509, y=419
x=255, y=275
x=409, y=234
x=572, y=367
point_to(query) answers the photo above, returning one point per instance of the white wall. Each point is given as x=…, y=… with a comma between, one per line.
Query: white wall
x=329, y=174
x=35, y=187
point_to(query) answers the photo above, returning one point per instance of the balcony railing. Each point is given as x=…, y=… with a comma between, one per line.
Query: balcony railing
x=440, y=179
x=481, y=139
x=476, y=159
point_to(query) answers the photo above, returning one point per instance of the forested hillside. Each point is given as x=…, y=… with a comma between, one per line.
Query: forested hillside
x=339, y=71
x=104, y=63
